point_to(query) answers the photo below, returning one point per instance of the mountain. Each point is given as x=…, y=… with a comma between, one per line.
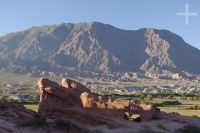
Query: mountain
x=96, y=47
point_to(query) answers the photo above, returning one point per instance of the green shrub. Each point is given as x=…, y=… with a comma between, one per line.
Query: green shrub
x=171, y=103
x=162, y=104
x=149, y=97
x=158, y=104
x=194, y=107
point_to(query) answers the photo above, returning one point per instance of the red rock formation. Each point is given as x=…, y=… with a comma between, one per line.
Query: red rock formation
x=71, y=84
x=16, y=113
x=72, y=98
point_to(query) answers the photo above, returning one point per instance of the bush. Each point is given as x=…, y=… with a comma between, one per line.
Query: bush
x=149, y=97
x=158, y=104
x=194, y=107
x=171, y=103
x=162, y=104
x=22, y=101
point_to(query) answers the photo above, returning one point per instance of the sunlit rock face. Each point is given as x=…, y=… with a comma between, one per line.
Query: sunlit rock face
x=75, y=100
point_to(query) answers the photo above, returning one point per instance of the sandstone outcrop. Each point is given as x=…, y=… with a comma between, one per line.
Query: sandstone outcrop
x=72, y=98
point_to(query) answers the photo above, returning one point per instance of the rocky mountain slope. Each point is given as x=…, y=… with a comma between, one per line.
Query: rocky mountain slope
x=96, y=47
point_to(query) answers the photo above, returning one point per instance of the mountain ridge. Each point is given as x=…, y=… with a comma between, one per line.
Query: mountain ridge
x=96, y=47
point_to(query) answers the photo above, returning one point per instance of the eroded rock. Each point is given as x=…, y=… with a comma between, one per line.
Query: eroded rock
x=72, y=97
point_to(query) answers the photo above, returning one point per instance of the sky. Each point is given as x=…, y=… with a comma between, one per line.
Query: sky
x=17, y=15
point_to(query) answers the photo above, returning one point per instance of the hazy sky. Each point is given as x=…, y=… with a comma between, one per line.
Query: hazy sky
x=125, y=14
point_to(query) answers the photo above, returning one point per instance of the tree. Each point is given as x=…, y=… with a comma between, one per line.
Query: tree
x=142, y=95
x=149, y=97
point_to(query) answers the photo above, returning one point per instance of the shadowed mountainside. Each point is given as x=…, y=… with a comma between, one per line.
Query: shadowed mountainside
x=96, y=47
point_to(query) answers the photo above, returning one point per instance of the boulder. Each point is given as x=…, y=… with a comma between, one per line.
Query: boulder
x=146, y=112
x=71, y=84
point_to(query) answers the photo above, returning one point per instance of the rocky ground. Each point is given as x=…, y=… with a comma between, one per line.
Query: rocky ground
x=73, y=108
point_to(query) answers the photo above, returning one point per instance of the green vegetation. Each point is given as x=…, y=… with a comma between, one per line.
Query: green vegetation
x=171, y=103
x=183, y=107
x=194, y=107
x=165, y=103
x=14, y=86
x=159, y=96
x=185, y=104
x=23, y=101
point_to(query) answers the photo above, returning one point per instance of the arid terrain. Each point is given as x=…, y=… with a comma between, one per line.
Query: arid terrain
x=118, y=81
x=71, y=107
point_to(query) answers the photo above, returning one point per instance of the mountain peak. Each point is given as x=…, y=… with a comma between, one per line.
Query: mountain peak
x=96, y=47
